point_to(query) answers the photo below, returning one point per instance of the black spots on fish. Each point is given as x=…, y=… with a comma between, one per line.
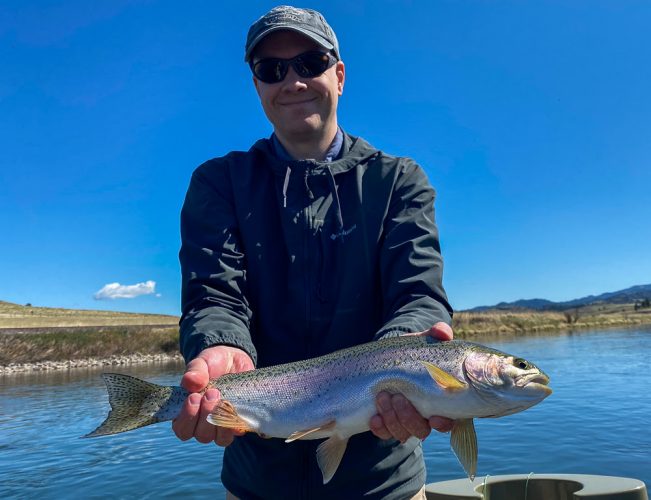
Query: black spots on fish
x=391, y=363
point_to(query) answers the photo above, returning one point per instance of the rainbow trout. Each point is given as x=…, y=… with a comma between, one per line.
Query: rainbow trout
x=332, y=397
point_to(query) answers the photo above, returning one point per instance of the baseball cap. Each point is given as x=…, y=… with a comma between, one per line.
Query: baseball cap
x=307, y=22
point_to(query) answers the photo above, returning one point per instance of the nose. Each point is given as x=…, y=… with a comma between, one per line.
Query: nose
x=294, y=82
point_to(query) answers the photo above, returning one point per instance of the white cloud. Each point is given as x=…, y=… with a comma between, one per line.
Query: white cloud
x=112, y=291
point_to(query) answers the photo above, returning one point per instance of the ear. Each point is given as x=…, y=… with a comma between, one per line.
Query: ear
x=341, y=76
x=256, y=84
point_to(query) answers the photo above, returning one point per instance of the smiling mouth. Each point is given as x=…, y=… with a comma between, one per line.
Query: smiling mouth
x=295, y=103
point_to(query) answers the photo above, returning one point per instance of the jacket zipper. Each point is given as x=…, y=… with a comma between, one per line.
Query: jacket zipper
x=307, y=214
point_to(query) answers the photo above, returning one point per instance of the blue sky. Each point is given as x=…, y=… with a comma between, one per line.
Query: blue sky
x=532, y=120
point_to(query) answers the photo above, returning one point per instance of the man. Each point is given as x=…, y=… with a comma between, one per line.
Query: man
x=311, y=241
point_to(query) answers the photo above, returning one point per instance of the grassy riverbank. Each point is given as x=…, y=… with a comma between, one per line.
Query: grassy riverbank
x=473, y=324
x=83, y=343
x=31, y=335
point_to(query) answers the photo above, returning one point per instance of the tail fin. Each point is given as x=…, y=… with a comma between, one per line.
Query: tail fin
x=136, y=403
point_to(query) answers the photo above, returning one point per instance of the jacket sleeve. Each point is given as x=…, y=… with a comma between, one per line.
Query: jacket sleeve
x=215, y=310
x=411, y=266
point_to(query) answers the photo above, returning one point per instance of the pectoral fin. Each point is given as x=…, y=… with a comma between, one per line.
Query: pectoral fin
x=301, y=434
x=225, y=415
x=328, y=456
x=464, y=443
x=443, y=378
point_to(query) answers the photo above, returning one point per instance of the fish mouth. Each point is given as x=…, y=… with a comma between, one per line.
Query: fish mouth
x=536, y=381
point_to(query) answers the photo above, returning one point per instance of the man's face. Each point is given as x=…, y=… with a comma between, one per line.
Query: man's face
x=299, y=108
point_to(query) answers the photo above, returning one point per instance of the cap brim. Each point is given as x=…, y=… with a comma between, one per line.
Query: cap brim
x=312, y=36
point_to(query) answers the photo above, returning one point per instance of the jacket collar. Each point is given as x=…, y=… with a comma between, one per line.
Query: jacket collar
x=354, y=150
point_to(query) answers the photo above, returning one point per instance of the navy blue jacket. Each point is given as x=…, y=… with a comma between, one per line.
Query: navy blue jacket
x=293, y=259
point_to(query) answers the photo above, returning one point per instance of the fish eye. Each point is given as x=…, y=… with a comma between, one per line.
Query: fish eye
x=521, y=363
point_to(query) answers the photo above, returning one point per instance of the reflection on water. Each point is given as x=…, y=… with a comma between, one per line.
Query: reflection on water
x=596, y=422
x=44, y=415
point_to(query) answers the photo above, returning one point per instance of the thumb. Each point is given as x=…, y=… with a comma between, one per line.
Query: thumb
x=196, y=375
x=441, y=331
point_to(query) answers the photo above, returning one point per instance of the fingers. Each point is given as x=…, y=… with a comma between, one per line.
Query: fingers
x=409, y=418
x=184, y=424
x=385, y=409
x=205, y=432
x=378, y=428
x=398, y=418
x=441, y=424
x=192, y=421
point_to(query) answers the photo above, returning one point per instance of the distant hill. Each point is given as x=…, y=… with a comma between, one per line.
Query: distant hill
x=630, y=295
x=28, y=316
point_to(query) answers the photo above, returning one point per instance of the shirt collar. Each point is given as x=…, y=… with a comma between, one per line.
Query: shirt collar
x=332, y=154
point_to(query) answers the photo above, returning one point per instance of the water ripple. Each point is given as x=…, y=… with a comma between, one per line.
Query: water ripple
x=596, y=422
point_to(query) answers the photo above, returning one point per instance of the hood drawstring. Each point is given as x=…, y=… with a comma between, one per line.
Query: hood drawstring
x=310, y=194
x=335, y=197
x=288, y=172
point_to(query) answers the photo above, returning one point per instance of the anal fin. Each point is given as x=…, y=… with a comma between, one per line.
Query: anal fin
x=464, y=443
x=328, y=456
x=225, y=415
x=301, y=434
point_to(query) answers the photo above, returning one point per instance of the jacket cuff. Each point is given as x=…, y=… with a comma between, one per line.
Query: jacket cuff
x=395, y=331
x=197, y=342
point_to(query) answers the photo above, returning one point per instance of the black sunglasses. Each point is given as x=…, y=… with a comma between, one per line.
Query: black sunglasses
x=307, y=65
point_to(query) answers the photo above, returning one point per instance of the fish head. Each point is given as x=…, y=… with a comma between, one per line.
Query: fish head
x=510, y=384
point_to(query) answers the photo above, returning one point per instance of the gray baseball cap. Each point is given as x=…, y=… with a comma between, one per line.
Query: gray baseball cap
x=307, y=22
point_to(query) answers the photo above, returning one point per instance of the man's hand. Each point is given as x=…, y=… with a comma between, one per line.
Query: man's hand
x=397, y=418
x=211, y=363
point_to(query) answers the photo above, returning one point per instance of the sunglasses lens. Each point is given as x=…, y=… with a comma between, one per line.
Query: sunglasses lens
x=307, y=65
x=311, y=64
x=270, y=70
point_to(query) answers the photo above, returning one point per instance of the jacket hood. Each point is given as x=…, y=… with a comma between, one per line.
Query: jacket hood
x=355, y=150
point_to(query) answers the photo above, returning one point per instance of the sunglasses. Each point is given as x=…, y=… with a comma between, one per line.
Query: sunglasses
x=307, y=65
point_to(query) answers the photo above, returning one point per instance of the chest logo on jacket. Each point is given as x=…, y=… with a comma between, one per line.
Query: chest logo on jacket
x=343, y=232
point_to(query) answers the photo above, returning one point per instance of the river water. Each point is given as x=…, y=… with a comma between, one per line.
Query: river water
x=597, y=422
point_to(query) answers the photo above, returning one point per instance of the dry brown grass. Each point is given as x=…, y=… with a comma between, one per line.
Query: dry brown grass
x=470, y=324
x=17, y=316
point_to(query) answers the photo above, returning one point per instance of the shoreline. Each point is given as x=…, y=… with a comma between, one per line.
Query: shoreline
x=162, y=357
x=92, y=362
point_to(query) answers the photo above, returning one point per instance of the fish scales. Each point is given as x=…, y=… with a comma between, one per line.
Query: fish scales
x=319, y=389
x=333, y=396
